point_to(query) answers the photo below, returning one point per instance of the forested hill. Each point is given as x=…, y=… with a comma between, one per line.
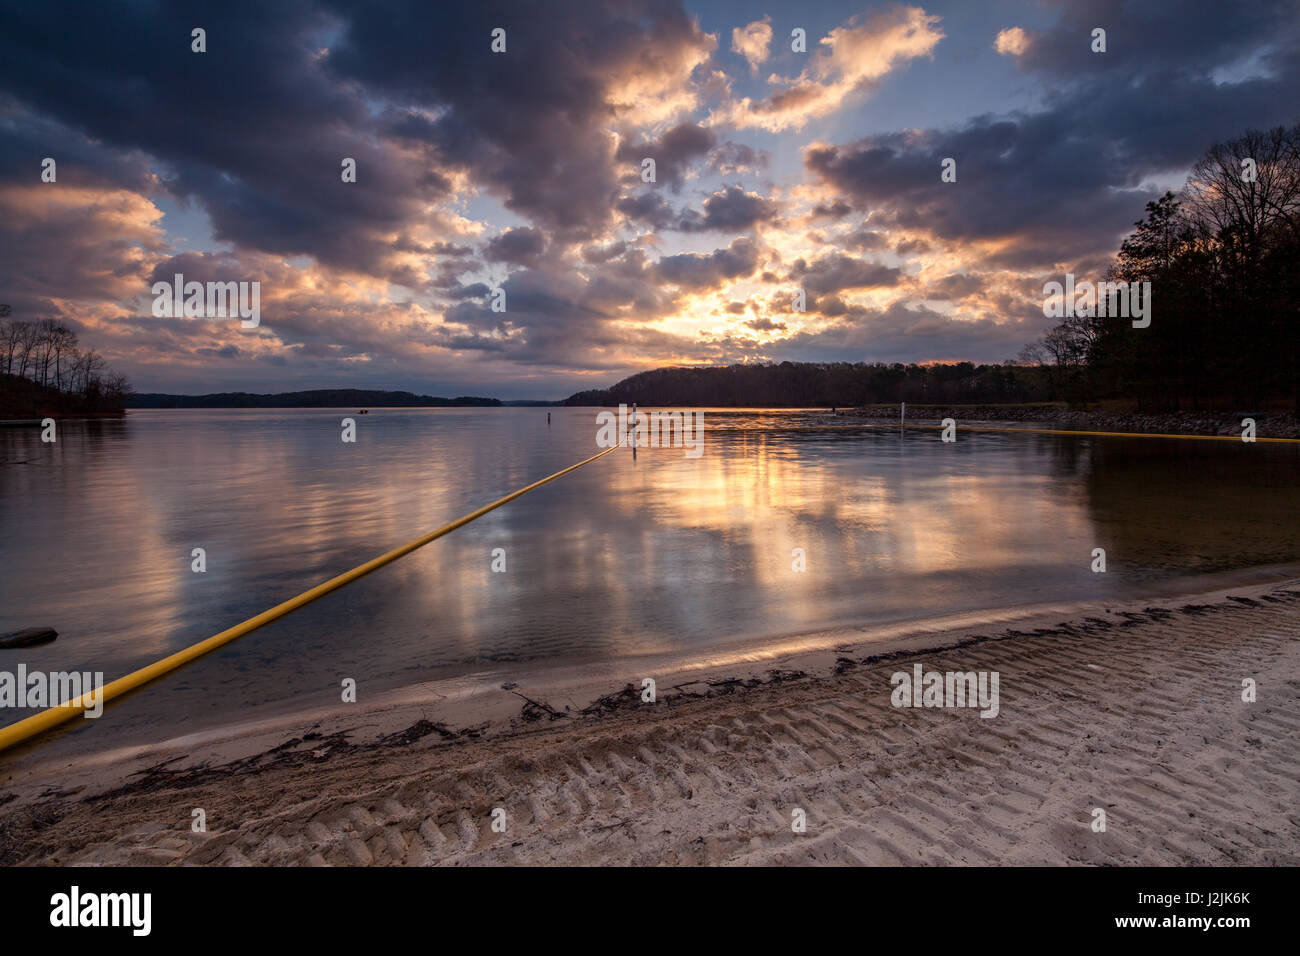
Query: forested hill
x=316, y=398
x=812, y=385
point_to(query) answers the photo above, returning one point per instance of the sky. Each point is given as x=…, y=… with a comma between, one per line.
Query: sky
x=518, y=177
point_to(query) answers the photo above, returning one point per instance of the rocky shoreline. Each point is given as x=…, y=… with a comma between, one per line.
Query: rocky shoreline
x=1267, y=424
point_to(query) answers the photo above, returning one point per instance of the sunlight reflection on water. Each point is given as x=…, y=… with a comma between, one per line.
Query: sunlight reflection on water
x=620, y=558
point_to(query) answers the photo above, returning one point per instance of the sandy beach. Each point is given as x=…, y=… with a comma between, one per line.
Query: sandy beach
x=1136, y=711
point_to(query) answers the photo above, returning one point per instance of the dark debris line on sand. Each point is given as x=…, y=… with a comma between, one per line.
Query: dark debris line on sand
x=21, y=824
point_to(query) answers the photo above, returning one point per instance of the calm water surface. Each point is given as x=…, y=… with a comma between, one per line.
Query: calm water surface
x=622, y=558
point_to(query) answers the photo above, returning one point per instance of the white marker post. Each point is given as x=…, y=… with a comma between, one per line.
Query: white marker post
x=633, y=431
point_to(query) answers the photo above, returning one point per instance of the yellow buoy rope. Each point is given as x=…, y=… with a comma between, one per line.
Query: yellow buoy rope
x=990, y=428
x=53, y=716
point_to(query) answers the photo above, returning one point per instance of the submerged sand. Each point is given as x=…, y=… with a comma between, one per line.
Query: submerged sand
x=1135, y=711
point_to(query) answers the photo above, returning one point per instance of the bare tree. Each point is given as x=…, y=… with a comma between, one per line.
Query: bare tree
x=11, y=334
x=92, y=368
x=1032, y=354
x=1238, y=209
x=28, y=336
x=47, y=353
x=65, y=346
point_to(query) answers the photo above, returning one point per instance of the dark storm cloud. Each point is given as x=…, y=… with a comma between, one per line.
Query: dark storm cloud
x=475, y=290
x=530, y=123
x=836, y=210
x=956, y=286
x=252, y=129
x=255, y=129
x=829, y=305
x=1041, y=178
x=837, y=271
x=1064, y=182
x=517, y=246
x=729, y=210
x=225, y=352
x=80, y=161
x=649, y=208
x=694, y=271
x=199, y=267
x=866, y=240
x=673, y=153
x=1154, y=36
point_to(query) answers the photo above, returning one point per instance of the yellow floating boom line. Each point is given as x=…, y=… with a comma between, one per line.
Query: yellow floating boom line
x=990, y=428
x=51, y=717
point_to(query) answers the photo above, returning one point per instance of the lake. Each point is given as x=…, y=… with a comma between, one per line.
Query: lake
x=624, y=557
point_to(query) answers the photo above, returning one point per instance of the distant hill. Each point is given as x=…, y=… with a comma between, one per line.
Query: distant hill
x=315, y=398
x=818, y=385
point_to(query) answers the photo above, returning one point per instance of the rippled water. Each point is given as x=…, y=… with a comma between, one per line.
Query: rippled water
x=623, y=557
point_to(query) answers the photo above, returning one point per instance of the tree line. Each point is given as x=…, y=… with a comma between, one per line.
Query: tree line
x=45, y=353
x=1223, y=260
x=313, y=398
x=826, y=384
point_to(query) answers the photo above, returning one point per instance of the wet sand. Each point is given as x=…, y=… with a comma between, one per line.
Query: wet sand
x=1133, y=710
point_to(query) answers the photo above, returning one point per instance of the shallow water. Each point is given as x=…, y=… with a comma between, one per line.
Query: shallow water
x=624, y=557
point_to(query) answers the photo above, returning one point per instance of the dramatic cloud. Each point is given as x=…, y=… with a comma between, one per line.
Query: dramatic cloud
x=516, y=176
x=731, y=210
x=1012, y=42
x=518, y=246
x=752, y=41
x=856, y=56
x=673, y=152
x=837, y=272
x=696, y=272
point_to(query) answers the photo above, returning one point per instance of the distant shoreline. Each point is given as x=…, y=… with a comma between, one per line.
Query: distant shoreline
x=313, y=398
x=1268, y=424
